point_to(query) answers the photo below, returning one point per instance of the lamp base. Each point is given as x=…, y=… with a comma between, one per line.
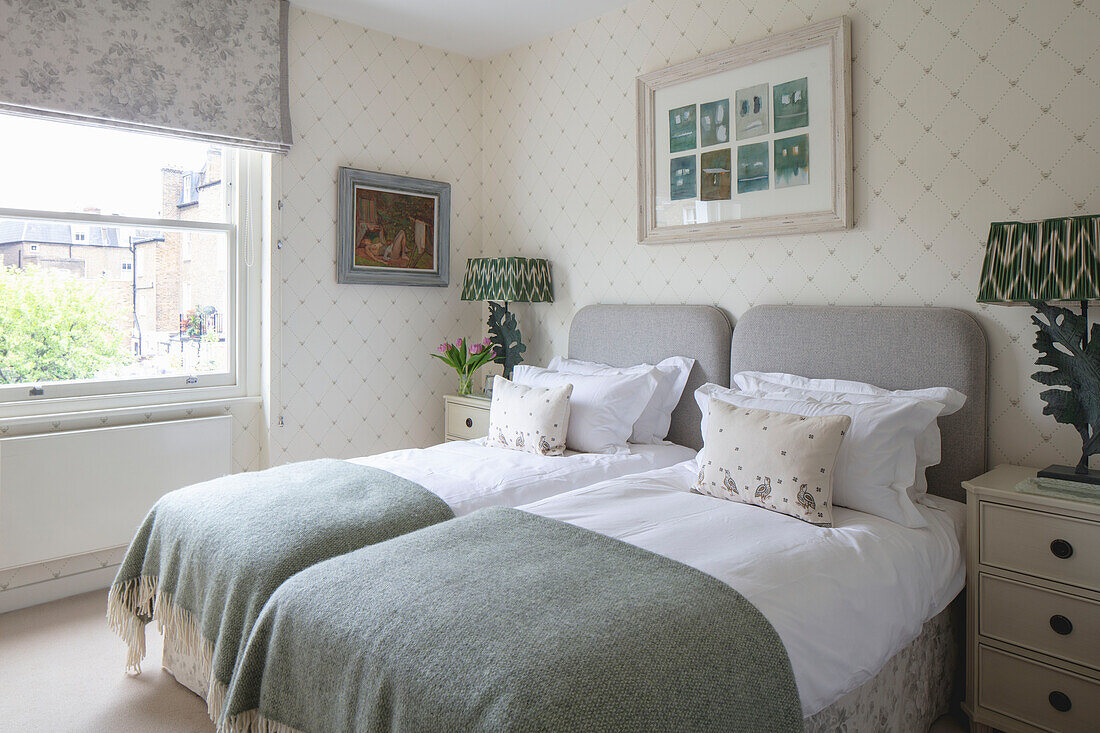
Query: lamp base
x=1069, y=473
x=505, y=337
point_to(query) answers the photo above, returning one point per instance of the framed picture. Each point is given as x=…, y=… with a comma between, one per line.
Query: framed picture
x=751, y=141
x=392, y=230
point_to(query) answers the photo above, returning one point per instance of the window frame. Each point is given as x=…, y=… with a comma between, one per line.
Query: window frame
x=246, y=176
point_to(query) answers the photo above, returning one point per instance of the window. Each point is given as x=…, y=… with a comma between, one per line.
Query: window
x=185, y=214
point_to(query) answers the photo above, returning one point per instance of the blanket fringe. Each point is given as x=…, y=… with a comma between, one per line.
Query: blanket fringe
x=130, y=605
x=129, y=608
x=250, y=721
x=181, y=630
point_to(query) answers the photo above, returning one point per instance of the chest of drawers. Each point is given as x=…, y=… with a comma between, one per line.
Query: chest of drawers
x=1033, y=598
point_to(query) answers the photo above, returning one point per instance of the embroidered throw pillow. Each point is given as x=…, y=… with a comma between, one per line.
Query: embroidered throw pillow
x=777, y=460
x=529, y=419
x=878, y=460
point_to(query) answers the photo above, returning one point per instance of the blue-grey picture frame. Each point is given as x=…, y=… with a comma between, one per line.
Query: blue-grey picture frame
x=392, y=230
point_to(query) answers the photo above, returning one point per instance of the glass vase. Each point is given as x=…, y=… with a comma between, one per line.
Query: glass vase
x=465, y=384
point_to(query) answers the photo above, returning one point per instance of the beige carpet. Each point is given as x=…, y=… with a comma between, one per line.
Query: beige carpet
x=61, y=670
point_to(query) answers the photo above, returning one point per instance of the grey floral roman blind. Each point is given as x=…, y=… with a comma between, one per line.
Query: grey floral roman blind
x=211, y=69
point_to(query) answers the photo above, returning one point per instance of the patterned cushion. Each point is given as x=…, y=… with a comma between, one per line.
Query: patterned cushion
x=529, y=419
x=776, y=460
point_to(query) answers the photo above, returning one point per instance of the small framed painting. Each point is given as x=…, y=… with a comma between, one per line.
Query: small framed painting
x=751, y=141
x=392, y=230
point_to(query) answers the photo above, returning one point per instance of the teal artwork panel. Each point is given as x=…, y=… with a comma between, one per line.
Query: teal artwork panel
x=682, y=177
x=681, y=128
x=792, y=161
x=714, y=123
x=791, y=104
x=752, y=168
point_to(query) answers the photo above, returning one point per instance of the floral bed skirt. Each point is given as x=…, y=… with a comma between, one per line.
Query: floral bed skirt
x=910, y=692
x=906, y=696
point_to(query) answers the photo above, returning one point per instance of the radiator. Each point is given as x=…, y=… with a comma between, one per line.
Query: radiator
x=69, y=493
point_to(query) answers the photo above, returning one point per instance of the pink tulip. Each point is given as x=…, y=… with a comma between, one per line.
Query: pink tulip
x=442, y=348
x=459, y=343
x=476, y=349
x=486, y=342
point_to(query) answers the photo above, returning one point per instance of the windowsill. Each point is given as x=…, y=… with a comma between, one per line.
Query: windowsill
x=113, y=416
x=96, y=405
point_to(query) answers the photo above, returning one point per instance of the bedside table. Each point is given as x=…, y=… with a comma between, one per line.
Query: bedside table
x=1033, y=608
x=465, y=417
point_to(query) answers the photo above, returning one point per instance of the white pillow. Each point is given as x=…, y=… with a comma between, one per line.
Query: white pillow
x=828, y=390
x=529, y=419
x=927, y=443
x=672, y=376
x=602, y=408
x=777, y=460
x=878, y=459
x=951, y=399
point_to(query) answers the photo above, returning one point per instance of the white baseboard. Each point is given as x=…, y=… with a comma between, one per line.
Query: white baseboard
x=55, y=589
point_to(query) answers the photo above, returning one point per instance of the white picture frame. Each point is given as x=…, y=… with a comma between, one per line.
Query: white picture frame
x=786, y=106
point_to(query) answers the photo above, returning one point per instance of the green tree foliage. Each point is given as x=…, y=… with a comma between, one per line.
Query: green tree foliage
x=54, y=328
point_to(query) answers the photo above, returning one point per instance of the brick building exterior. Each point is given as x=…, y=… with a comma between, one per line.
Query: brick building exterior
x=151, y=279
x=189, y=269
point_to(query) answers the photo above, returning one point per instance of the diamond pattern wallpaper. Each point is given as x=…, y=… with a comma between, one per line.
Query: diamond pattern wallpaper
x=965, y=112
x=352, y=375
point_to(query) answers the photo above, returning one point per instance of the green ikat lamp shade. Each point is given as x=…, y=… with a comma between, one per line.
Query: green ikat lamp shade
x=507, y=279
x=1043, y=262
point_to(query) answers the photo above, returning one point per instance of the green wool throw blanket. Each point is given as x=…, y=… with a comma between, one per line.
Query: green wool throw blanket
x=506, y=621
x=207, y=557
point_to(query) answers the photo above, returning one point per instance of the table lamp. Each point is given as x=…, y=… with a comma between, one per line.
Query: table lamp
x=1043, y=262
x=507, y=279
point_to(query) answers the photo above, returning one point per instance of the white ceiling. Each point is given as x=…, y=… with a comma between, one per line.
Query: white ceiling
x=476, y=28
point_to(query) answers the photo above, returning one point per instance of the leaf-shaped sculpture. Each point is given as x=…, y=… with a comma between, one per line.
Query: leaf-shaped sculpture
x=505, y=336
x=1061, y=343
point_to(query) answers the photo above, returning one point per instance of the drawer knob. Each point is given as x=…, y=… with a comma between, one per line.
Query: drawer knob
x=1061, y=624
x=1060, y=701
x=1061, y=548
x=469, y=422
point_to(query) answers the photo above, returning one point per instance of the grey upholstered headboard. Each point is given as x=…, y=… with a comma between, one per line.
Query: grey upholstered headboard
x=624, y=335
x=892, y=347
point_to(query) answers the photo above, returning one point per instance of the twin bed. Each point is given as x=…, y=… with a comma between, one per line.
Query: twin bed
x=435, y=628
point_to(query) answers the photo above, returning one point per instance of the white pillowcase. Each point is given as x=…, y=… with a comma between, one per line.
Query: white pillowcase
x=951, y=399
x=602, y=408
x=672, y=375
x=529, y=419
x=877, y=462
x=831, y=390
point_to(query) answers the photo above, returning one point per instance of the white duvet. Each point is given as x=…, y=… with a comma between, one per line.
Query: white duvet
x=470, y=475
x=843, y=600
